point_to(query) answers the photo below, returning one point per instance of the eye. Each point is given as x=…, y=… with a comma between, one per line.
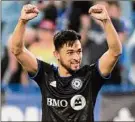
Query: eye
x=79, y=52
x=70, y=53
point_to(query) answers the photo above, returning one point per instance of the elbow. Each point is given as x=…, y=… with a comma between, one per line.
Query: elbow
x=116, y=52
x=16, y=51
x=119, y=53
x=14, y=47
x=119, y=49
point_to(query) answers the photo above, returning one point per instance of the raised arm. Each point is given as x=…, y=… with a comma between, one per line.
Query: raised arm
x=108, y=60
x=17, y=47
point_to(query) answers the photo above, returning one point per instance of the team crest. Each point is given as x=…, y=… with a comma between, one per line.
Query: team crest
x=78, y=102
x=76, y=84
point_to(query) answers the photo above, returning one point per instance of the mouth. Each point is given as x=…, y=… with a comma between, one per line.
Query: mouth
x=75, y=65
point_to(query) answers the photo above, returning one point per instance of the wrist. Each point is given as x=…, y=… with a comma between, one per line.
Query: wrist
x=107, y=20
x=23, y=21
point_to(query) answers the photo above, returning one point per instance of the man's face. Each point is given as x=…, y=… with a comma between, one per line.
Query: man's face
x=70, y=57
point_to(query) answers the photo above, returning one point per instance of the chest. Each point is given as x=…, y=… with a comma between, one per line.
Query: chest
x=71, y=92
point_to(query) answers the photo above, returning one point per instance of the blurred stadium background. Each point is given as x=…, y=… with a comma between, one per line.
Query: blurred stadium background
x=21, y=98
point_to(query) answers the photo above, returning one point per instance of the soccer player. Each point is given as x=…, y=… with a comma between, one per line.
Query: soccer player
x=68, y=91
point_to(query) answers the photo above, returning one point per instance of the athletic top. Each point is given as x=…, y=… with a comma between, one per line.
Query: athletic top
x=68, y=99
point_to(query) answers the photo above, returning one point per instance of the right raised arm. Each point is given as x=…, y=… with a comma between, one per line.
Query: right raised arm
x=17, y=47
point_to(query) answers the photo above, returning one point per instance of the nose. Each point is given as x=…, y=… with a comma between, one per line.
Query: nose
x=76, y=56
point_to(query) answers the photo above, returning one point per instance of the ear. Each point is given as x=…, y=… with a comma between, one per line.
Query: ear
x=56, y=54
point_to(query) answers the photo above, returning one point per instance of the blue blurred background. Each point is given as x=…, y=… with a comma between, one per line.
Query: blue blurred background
x=21, y=98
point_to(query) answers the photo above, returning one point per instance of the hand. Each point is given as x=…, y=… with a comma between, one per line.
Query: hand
x=99, y=12
x=28, y=12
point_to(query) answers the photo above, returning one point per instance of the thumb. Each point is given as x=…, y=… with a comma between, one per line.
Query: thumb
x=36, y=10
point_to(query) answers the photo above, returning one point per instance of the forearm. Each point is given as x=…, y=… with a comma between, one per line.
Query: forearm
x=114, y=43
x=17, y=42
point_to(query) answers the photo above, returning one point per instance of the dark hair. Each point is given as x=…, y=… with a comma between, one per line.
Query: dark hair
x=65, y=37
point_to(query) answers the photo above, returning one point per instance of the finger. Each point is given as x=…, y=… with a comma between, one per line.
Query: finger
x=90, y=10
x=96, y=16
x=36, y=10
x=95, y=9
x=29, y=8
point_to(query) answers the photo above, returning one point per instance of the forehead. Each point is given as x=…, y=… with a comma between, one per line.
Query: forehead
x=76, y=45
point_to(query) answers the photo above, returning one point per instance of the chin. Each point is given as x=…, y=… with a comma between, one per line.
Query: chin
x=75, y=68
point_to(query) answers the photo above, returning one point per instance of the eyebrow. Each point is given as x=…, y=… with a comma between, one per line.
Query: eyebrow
x=70, y=50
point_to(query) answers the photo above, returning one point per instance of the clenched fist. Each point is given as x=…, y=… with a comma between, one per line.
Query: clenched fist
x=29, y=12
x=99, y=12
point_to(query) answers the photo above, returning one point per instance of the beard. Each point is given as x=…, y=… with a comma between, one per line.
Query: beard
x=71, y=71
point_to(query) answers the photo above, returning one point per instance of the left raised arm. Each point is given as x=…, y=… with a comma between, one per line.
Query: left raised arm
x=110, y=57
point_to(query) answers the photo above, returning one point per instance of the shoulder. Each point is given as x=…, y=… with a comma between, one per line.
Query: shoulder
x=89, y=67
x=86, y=69
x=46, y=67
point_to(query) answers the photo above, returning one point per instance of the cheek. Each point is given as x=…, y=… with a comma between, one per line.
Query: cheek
x=65, y=59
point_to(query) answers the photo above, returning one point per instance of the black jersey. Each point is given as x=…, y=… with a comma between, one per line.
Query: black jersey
x=68, y=99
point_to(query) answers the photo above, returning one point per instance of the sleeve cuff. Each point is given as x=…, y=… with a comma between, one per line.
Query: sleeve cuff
x=32, y=76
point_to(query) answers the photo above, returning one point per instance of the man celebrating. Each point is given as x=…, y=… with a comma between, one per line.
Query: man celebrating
x=68, y=91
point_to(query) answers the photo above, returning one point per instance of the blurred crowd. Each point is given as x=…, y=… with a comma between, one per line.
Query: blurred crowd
x=58, y=15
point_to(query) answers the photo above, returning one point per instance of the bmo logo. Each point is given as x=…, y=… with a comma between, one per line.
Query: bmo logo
x=57, y=103
x=77, y=102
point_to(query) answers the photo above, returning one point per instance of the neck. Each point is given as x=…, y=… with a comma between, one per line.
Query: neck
x=63, y=72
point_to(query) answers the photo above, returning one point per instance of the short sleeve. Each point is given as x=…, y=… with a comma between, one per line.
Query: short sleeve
x=96, y=72
x=97, y=79
x=34, y=76
x=43, y=68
